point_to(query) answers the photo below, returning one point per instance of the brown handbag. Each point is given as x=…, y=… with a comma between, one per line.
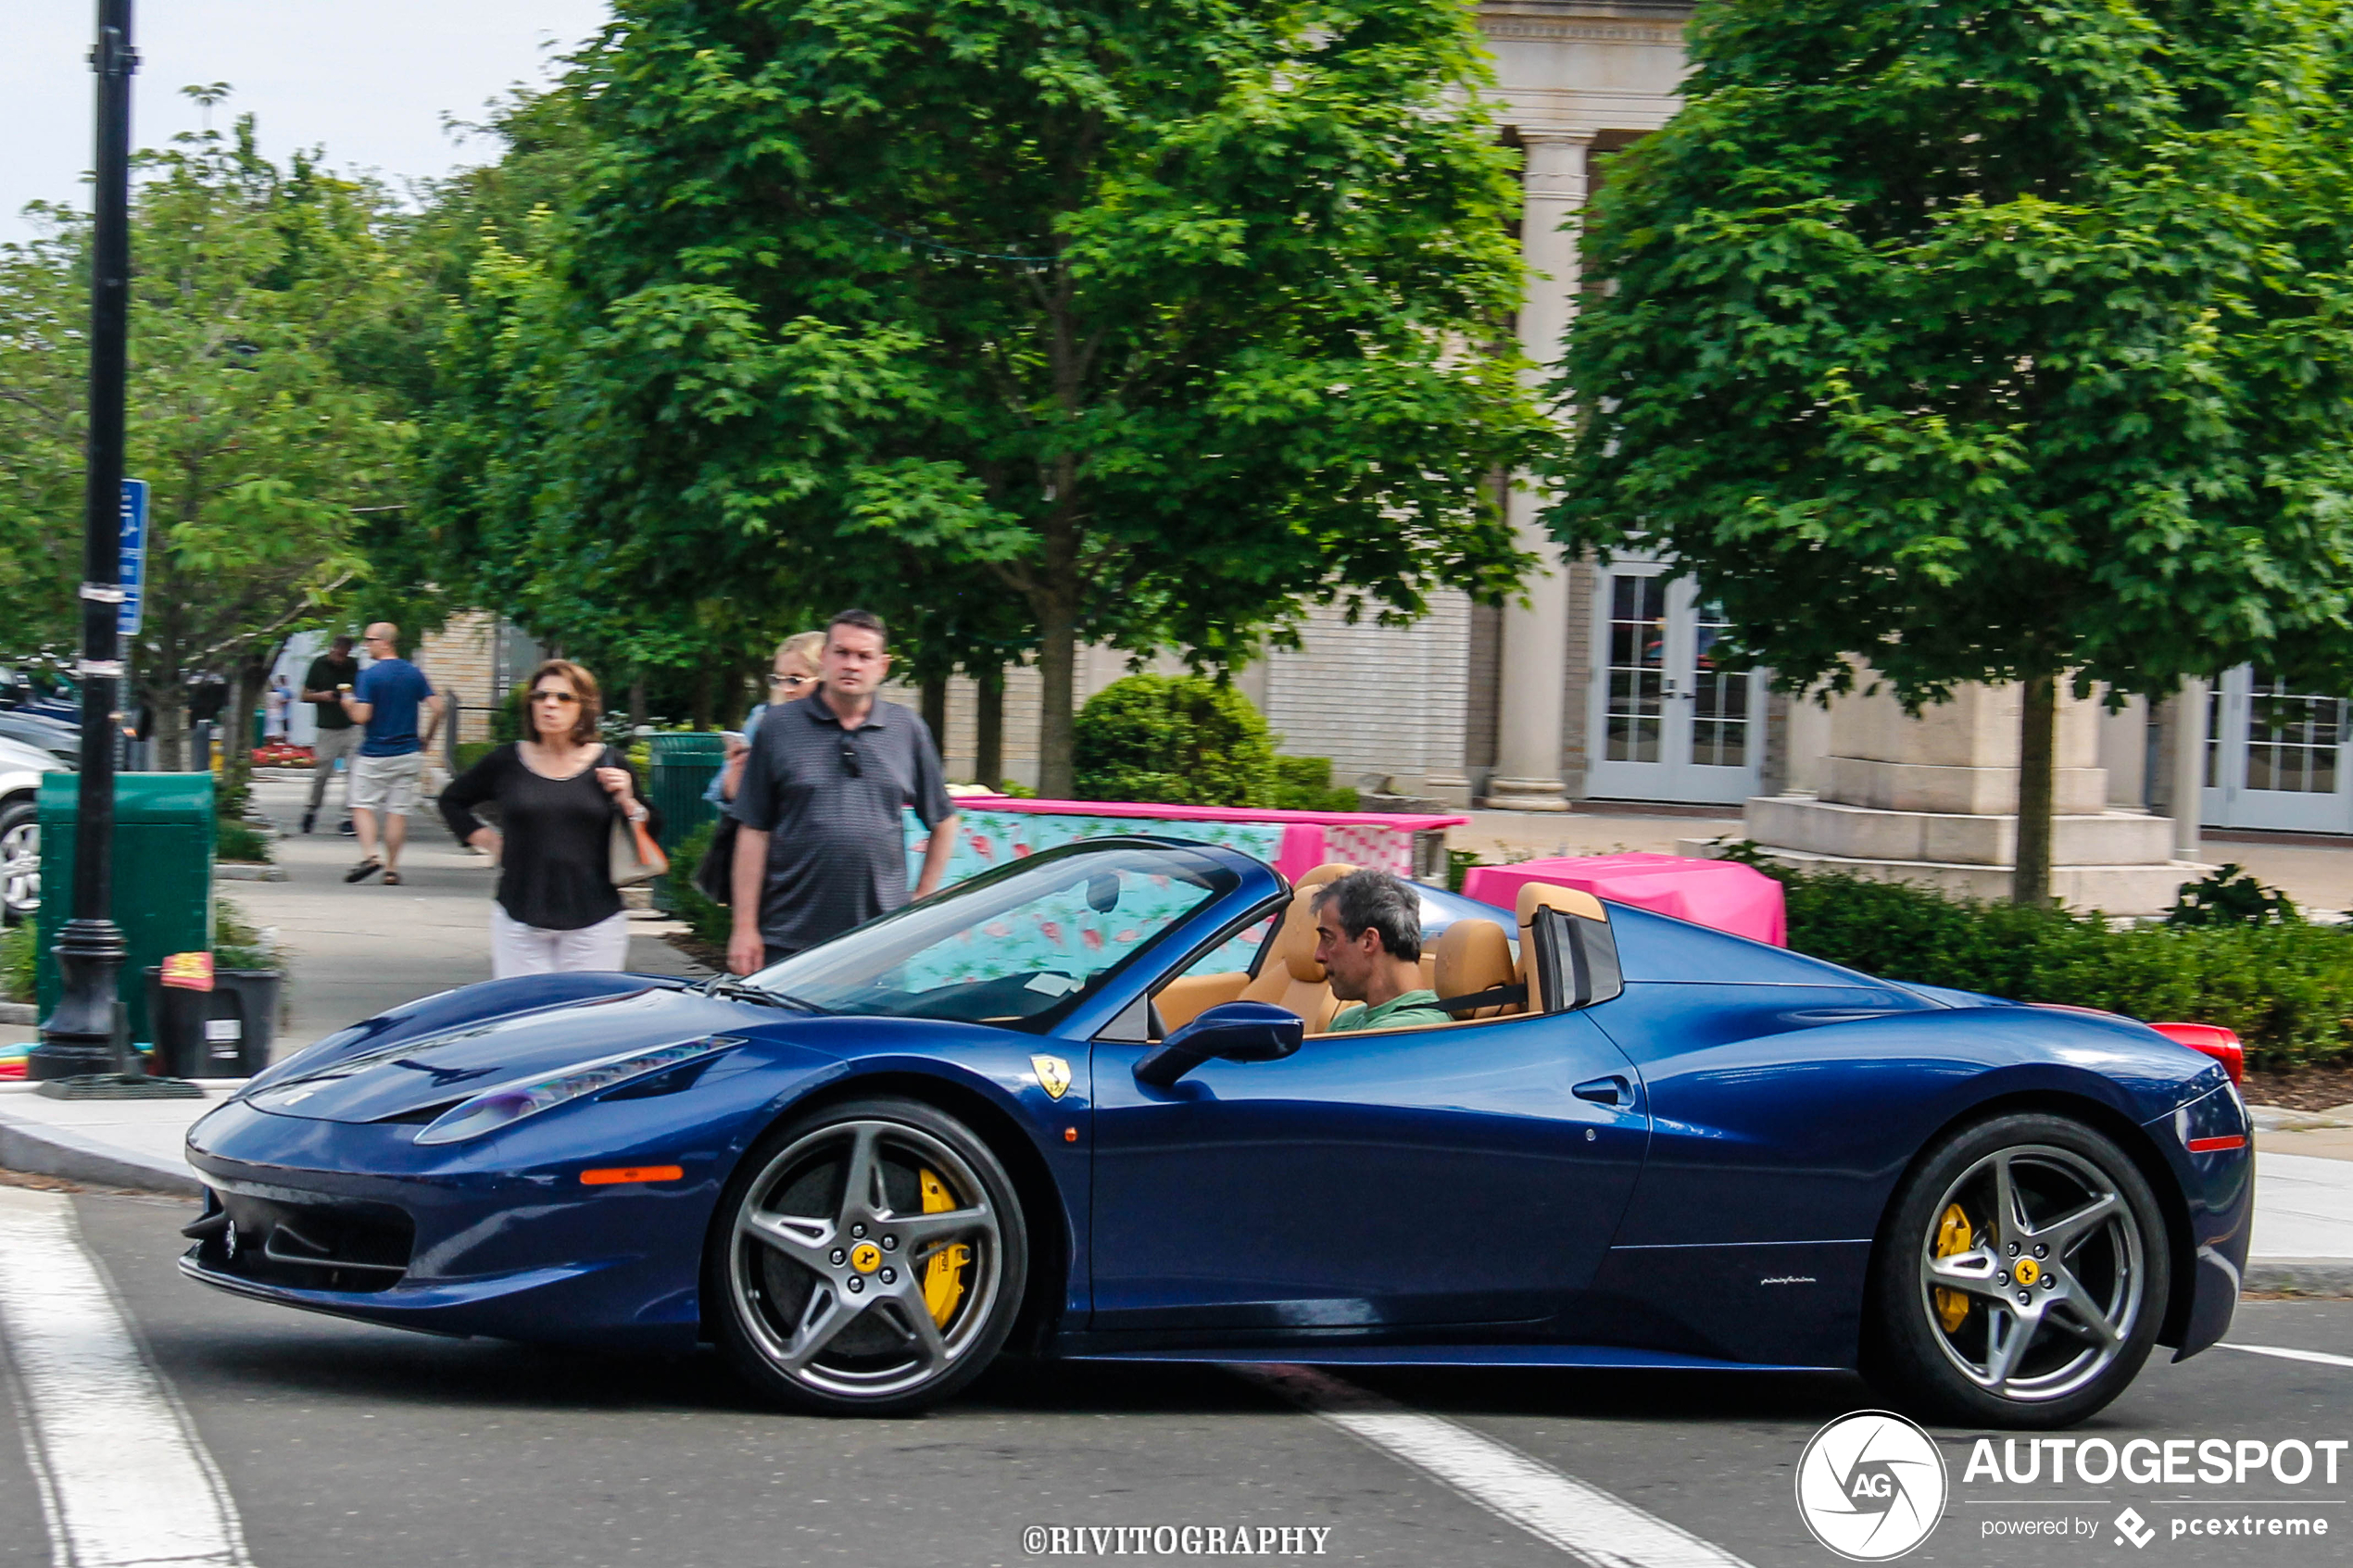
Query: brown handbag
x=631, y=854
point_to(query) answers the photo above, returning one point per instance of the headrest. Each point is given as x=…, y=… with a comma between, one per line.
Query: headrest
x=1474, y=956
x=1535, y=896
x=1295, y=939
x=1330, y=870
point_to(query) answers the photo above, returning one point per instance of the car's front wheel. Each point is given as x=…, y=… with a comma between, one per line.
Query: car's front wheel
x=869, y=1260
x=2022, y=1276
x=19, y=860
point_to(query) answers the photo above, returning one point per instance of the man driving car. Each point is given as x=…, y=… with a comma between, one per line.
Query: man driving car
x=1368, y=937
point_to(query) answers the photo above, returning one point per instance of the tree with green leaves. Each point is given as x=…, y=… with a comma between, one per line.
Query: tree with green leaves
x=251, y=284
x=1157, y=321
x=1991, y=341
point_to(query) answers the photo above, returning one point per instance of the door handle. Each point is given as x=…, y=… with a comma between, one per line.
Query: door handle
x=1604, y=1091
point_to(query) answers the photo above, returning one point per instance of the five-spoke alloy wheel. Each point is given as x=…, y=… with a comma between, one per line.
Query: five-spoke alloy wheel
x=870, y=1259
x=2022, y=1276
x=19, y=861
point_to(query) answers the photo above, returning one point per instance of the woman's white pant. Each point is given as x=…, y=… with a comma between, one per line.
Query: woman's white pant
x=517, y=949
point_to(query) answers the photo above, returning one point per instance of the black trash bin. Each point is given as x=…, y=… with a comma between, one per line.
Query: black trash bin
x=223, y=1032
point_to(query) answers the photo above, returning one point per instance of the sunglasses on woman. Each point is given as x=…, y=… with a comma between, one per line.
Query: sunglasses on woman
x=790, y=683
x=569, y=699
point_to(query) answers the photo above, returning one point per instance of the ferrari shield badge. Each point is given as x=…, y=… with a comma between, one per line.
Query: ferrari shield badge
x=1053, y=1075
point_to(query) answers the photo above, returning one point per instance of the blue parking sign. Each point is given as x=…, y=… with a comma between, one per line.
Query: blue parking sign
x=132, y=568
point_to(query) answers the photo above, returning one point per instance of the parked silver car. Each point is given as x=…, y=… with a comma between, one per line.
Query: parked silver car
x=20, y=769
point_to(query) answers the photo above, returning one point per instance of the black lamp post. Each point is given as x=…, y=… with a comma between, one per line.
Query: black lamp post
x=80, y=1038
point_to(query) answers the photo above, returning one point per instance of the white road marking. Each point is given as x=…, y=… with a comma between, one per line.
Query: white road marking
x=2322, y=1357
x=1581, y=1520
x=124, y=1482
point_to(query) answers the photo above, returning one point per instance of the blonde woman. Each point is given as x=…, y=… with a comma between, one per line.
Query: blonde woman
x=791, y=676
x=556, y=793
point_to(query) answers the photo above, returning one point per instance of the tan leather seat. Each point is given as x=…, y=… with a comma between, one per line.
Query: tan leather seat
x=1475, y=956
x=1289, y=976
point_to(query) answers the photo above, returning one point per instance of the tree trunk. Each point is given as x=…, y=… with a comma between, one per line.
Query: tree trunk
x=2037, y=743
x=169, y=716
x=706, y=697
x=1058, y=672
x=933, y=698
x=637, y=702
x=988, y=727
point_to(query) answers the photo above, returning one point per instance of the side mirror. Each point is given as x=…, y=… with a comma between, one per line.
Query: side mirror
x=1230, y=1031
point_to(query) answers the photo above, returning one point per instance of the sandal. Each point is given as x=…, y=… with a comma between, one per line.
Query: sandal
x=391, y=879
x=364, y=870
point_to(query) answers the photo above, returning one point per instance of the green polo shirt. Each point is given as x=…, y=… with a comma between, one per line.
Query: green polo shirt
x=1398, y=1012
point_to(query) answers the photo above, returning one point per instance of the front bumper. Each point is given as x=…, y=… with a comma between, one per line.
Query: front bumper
x=358, y=1221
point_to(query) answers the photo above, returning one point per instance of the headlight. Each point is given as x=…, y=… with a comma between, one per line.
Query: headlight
x=510, y=1103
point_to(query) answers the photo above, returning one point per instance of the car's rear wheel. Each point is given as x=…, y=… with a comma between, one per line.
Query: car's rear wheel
x=19, y=860
x=2022, y=1276
x=870, y=1259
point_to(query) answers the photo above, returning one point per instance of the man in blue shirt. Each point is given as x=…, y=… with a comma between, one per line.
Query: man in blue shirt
x=387, y=699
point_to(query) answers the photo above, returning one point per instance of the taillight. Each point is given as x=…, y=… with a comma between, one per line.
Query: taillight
x=2209, y=1039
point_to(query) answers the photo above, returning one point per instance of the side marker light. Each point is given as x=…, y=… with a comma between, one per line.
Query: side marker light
x=1070, y=1134
x=2216, y=1146
x=613, y=1175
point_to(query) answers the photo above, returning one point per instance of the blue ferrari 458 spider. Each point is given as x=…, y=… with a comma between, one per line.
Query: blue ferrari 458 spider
x=1083, y=1106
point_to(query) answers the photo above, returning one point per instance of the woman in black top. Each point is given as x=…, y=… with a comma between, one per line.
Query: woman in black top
x=556, y=793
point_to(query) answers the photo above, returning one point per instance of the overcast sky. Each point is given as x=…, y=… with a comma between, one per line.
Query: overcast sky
x=370, y=79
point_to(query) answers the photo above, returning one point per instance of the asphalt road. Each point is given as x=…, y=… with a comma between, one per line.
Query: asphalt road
x=340, y=1444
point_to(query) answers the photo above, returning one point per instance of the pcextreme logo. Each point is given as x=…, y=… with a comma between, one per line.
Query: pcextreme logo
x=1870, y=1486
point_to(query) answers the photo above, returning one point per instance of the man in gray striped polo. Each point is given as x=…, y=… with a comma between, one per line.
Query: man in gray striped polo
x=822, y=845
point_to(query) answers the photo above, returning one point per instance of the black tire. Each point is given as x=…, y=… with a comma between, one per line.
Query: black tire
x=1949, y=1294
x=815, y=1294
x=19, y=836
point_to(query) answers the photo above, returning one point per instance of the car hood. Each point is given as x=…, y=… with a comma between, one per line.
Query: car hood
x=426, y=1072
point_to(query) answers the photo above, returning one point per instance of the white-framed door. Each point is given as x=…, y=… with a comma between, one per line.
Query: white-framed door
x=2275, y=758
x=1664, y=723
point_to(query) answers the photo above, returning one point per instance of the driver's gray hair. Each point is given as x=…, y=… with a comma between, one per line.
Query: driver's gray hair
x=1382, y=902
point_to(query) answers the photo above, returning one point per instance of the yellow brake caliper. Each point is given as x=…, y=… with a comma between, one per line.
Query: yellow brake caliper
x=1952, y=1238
x=944, y=1275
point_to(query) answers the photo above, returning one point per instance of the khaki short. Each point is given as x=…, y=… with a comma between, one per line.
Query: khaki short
x=386, y=783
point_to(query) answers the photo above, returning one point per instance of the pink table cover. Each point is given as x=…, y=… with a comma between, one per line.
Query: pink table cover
x=1722, y=894
x=1381, y=839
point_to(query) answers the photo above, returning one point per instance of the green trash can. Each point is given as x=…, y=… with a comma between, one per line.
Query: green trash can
x=163, y=849
x=683, y=765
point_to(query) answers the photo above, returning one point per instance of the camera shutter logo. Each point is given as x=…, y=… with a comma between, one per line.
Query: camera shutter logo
x=1870, y=1486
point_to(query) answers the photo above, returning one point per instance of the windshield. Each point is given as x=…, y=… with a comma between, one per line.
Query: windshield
x=1008, y=947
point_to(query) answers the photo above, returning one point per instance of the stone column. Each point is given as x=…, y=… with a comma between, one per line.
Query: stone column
x=2189, y=768
x=1533, y=679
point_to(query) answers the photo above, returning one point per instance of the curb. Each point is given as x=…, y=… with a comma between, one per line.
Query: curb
x=25, y=1013
x=58, y=1151
x=2300, y=1276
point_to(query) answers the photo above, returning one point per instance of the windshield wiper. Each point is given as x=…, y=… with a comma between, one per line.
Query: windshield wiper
x=737, y=990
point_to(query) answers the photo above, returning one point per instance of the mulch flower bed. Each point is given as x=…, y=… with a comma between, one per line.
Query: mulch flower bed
x=2322, y=1087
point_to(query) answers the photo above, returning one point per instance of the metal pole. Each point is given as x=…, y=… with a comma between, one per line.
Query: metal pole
x=81, y=1036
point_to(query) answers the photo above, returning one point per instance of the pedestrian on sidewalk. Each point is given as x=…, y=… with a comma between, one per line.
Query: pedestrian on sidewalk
x=792, y=675
x=386, y=700
x=338, y=739
x=556, y=793
x=821, y=845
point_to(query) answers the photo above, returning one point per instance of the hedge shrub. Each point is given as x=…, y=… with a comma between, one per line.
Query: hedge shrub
x=1304, y=784
x=1181, y=740
x=2287, y=988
